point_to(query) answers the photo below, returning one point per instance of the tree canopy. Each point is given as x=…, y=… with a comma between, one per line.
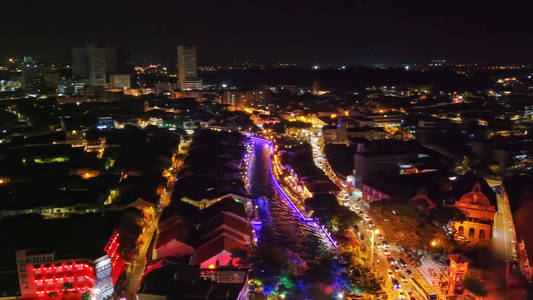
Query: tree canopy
x=278, y=271
x=404, y=224
x=475, y=286
x=330, y=213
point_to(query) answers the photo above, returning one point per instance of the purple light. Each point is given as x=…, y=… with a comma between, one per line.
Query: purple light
x=287, y=199
x=256, y=225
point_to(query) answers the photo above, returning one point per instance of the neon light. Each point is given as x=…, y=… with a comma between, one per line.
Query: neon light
x=290, y=203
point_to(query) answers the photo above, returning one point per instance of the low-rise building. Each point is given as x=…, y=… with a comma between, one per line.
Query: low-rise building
x=479, y=214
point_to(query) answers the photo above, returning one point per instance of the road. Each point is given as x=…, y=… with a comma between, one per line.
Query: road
x=138, y=265
x=504, y=239
x=421, y=289
x=382, y=266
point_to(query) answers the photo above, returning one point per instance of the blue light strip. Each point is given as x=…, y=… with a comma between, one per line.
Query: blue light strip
x=291, y=204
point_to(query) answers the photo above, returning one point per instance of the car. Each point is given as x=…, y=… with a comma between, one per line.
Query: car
x=402, y=263
x=386, y=251
x=391, y=260
x=410, y=256
x=409, y=273
x=389, y=272
x=397, y=269
x=497, y=189
x=385, y=244
x=371, y=224
x=401, y=295
x=395, y=284
x=403, y=278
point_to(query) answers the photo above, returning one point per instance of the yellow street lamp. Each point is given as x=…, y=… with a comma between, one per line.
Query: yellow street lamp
x=374, y=232
x=433, y=243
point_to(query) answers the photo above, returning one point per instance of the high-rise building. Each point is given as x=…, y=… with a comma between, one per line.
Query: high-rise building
x=92, y=63
x=41, y=275
x=120, y=81
x=528, y=112
x=316, y=87
x=239, y=100
x=187, y=64
x=32, y=78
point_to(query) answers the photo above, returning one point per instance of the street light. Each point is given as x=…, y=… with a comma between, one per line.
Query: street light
x=374, y=232
x=433, y=243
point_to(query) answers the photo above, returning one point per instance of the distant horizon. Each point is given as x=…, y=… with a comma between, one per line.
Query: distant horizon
x=340, y=32
x=241, y=62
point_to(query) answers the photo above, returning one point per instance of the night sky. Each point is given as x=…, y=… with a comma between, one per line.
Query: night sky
x=340, y=32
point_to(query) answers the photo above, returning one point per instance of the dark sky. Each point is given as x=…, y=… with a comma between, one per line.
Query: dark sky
x=327, y=31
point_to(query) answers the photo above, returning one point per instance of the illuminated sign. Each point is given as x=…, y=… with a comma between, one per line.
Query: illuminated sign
x=104, y=280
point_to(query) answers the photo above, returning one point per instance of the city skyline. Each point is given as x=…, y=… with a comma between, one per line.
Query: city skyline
x=359, y=32
x=248, y=150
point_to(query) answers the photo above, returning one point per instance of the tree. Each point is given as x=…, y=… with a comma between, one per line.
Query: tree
x=359, y=272
x=443, y=215
x=475, y=286
x=345, y=218
x=271, y=268
x=464, y=166
x=404, y=224
x=330, y=213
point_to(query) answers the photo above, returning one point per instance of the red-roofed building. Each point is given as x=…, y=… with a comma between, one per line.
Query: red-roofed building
x=479, y=214
x=217, y=252
x=225, y=223
x=174, y=241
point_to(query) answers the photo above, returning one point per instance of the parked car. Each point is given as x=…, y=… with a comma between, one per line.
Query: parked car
x=409, y=273
x=402, y=263
x=401, y=295
x=397, y=269
x=395, y=284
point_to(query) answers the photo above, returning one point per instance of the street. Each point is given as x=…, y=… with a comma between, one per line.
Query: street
x=136, y=269
x=503, y=231
x=415, y=286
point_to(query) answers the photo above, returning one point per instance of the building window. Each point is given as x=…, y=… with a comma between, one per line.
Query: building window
x=482, y=234
x=461, y=231
x=471, y=232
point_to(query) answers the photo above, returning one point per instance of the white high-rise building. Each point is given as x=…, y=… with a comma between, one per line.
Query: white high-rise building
x=187, y=64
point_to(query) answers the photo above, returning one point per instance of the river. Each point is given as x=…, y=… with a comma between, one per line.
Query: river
x=281, y=225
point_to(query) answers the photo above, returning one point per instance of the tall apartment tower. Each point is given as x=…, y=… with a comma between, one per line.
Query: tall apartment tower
x=187, y=74
x=92, y=63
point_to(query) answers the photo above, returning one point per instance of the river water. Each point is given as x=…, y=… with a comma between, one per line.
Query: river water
x=281, y=226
